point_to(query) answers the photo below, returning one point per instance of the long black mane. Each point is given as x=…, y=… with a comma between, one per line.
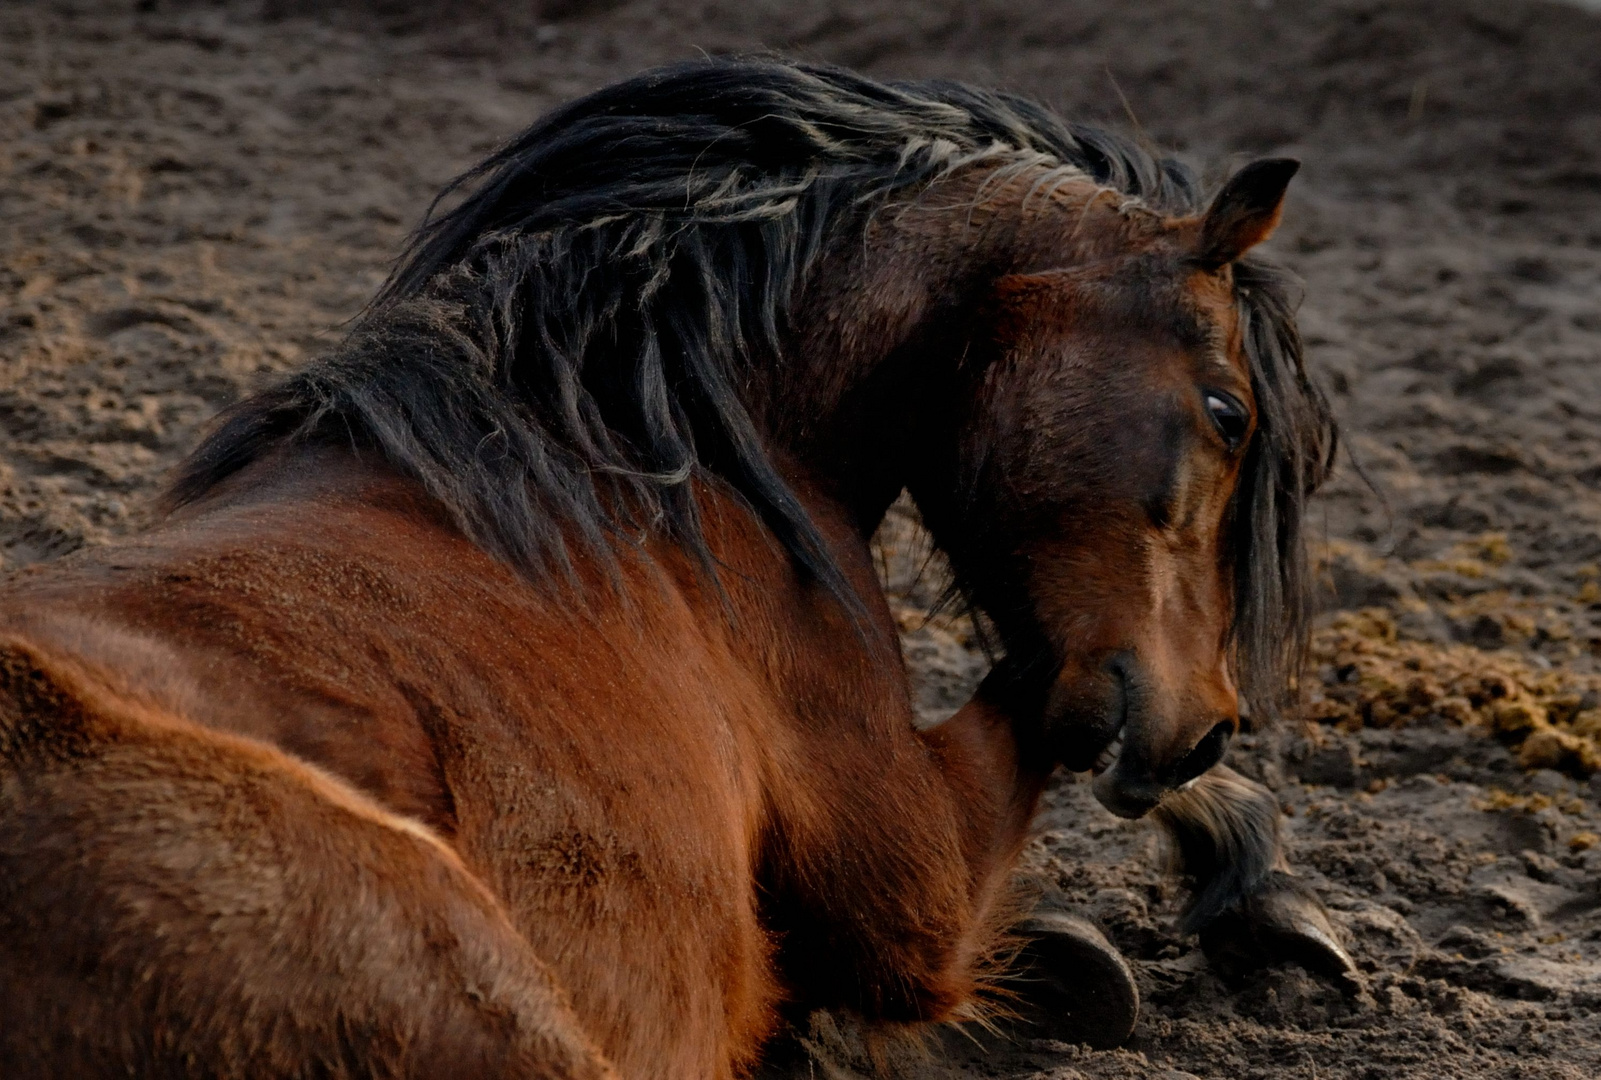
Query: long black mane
x=560, y=355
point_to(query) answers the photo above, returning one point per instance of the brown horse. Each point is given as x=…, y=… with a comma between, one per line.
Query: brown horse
x=510, y=693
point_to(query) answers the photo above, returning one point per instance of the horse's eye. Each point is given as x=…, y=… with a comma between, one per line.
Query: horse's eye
x=1228, y=416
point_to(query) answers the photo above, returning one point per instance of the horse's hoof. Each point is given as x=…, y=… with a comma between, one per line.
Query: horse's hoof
x=1071, y=984
x=1284, y=922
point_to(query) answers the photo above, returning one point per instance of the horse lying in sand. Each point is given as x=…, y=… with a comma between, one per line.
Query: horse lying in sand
x=510, y=693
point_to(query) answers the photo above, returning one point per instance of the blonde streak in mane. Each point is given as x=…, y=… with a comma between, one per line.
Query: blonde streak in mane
x=955, y=161
x=1049, y=176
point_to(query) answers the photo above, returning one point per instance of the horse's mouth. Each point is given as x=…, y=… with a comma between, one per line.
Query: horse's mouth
x=1118, y=667
x=1108, y=755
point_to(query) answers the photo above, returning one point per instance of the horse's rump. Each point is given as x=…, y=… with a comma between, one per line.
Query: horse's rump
x=364, y=648
x=178, y=901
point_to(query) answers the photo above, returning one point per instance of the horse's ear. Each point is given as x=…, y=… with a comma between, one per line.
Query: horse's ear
x=1246, y=211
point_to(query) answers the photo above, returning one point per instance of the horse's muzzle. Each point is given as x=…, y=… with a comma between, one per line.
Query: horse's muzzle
x=1131, y=787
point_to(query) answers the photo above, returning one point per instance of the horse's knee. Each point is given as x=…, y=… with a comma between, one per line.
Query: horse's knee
x=176, y=902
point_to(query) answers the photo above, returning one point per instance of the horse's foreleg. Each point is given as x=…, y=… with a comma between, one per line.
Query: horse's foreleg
x=892, y=887
x=176, y=902
x=996, y=778
x=1225, y=834
x=1247, y=907
x=1066, y=980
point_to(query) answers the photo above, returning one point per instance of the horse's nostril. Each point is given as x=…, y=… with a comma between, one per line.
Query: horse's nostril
x=1205, y=754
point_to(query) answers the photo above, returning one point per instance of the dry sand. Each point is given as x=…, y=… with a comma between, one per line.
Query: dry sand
x=194, y=196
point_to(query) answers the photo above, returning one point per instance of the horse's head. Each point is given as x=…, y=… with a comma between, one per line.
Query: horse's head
x=1109, y=465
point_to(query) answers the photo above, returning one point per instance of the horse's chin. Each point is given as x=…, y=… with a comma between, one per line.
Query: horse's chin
x=1123, y=798
x=1109, y=787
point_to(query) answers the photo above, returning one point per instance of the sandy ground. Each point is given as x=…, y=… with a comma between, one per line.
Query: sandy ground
x=194, y=196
